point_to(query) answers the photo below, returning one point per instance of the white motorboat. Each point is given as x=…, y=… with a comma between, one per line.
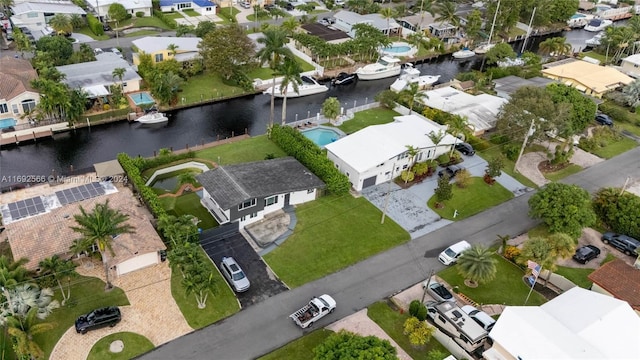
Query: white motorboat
x=511, y=62
x=152, y=118
x=595, y=41
x=386, y=66
x=483, y=48
x=412, y=75
x=465, y=53
x=308, y=87
x=596, y=25
x=579, y=20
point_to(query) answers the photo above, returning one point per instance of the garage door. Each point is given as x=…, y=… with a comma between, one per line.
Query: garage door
x=138, y=262
x=369, y=182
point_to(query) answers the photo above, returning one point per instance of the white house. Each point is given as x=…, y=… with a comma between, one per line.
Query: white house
x=35, y=15
x=101, y=7
x=245, y=193
x=345, y=20
x=480, y=110
x=378, y=153
x=17, y=97
x=158, y=47
x=631, y=65
x=203, y=7
x=578, y=324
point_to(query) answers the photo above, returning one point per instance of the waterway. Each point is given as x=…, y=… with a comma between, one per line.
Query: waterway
x=82, y=148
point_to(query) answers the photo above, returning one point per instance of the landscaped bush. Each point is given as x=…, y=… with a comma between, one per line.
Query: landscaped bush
x=617, y=113
x=479, y=144
x=511, y=253
x=95, y=25
x=171, y=23
x=162, y=159
x=148, y=195
x=292, y=142
x=414, y=306
x=139, y=14
x=511, y=151
x=422, y=313
x=444, y=159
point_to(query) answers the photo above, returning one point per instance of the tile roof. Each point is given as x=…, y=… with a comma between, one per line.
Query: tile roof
x=598, y=78
x=232, y=184
x=620, y=280
x=15, y=77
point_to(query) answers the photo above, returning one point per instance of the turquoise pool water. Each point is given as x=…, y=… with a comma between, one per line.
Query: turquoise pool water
x=397, y=49
x=5, y=123
x=577, y=16
x=141, y=98
x=321, y=136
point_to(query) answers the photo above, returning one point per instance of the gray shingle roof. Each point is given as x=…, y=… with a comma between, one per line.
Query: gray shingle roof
x=98, y=72
x=232, y=184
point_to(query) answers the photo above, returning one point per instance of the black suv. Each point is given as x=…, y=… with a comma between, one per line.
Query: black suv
x=465, y=148
x=451, y=171
x=99, y=318
x=624, y=243
x=604, y=119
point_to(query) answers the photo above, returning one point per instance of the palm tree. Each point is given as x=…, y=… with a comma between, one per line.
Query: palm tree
x=99, y=227
x=61, y=23
x=200, y=282
x=411, y=94
x=12, y=272
x=273, y=52
x=25, y=297
x=59, y=269
x=173, y=49
x=457, y=125
x=447, y=13
x=477, y=265
x=632, y=93
x=119, y=73
x=76, y=21
x=290, y=71
x=22, y=331
x=289, y=25
x=436, y=138
x=187, y=178
x=412, y=152
x=387, y=13
x=177, y=229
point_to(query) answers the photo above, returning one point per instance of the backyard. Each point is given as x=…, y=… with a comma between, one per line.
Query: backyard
x=362, y=119
x=189, y=203
x=468, y=201
x=253, y=149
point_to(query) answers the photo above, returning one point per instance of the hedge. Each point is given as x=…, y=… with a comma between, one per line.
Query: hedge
x=292, y=142
x=150, y=198
x=171, y=23
x=95, y=25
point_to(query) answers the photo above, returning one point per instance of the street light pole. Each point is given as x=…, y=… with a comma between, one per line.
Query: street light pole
x=116, y=30
x=386, y=200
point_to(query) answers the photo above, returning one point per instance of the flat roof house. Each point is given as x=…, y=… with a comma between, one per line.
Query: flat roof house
x=245, y=193
x=203, y=7
x=619, y=280
x=631, y=65
x=592, y=79
x=346, y=19
x=101, y=7
x=17, y=97
x=158, y=47
x=378, y=153
x=35, y=15
x=507, y=85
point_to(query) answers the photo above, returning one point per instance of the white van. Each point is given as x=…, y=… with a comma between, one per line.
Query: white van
x=450, y=255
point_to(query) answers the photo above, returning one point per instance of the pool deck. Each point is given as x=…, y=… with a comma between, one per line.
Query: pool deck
x=132, y=103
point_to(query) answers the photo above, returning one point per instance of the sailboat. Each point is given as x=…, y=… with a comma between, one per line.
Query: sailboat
x=483, y=48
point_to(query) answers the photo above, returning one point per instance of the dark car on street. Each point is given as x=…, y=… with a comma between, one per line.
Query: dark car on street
x=586, y=253
x=99, y=318
x=451, y=171
x=604, y=119
x=465, y=148
x=624, y=243
x=439, y=292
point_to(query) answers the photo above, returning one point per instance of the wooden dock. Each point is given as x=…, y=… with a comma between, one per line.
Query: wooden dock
x=16, y=139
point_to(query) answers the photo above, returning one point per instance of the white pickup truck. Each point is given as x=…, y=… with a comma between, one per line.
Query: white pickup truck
x=315, y=310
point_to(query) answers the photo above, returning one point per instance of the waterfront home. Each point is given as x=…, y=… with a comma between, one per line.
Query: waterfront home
x=245, y=193
x=619, y=280
x=346, y=19
x=133, y=7
x=415, y=23
x=17, y=97
x=159, y=48
x=378, y=153
x=631, y=65
x=35, y=15
x=202, y=7
x=592, y=79
x=508, y=85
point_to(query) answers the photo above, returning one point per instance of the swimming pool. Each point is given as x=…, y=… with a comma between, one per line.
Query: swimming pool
x=141, y=98
x=322, y=135
x=578, y=16
x=5, y=123
x=399, y=49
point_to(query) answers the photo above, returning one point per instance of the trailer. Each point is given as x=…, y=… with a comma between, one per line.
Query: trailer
x=315, y=310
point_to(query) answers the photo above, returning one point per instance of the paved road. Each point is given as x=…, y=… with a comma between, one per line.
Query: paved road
x=264, y=327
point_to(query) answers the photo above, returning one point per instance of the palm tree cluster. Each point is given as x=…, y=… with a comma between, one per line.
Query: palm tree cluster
x=556, y=46
x=620, y=41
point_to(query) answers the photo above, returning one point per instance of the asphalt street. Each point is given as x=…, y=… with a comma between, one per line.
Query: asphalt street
x=264, y=327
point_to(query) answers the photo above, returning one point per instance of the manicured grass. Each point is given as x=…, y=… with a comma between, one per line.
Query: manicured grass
x=609, y=257
x=476, y=197
x=265, y=73
x=634, y=129
x=142, y=33
x=228, y=14
x=86, y=31
x=365, y=118
x=301, y=348
x=561, y=174
x=508, y=166
x=392, y=322
x=134, y=345
x=147, y=21
x=332, y=233
x=252, y=149
x=595, y=55
x=577, y=276
x=177, y=15
x=614, y=148
x=191, y=12
x=87, y=294
x=221, y=304
x=508, y=287
x=261, y=16
x=207, y=86
x=189, y=203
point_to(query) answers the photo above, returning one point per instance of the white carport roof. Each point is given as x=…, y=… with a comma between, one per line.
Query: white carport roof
x=95, y=91
x=376, y=144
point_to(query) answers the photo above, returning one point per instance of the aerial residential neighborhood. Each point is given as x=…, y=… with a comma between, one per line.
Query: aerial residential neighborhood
x=319, y=179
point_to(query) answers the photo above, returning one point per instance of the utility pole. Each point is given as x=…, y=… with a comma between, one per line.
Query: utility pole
x=386, y=200
x=425, y=286
x=524, y=143
x=624, y=187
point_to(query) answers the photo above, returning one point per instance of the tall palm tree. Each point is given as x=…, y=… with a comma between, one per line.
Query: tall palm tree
x=99, y=227
x=173, y=49
x=61, y=23
x=23, y=298
x=59, y=270
x=411, y=94
x=76, y=21
x=632, y=93
x=200, y=282
x=273, y=53
x=447, y=13
x=290, y=24
x=177, y=229
x=387, y=13
x=119, y=73
x=436, y=139
x=458, y=125
x=477, y=265
x=290, y=71
x=22, y=331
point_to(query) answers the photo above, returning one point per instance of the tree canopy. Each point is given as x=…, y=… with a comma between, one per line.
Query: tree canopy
x=500, y=52
x=564, y=208
x=345, y=345
x=226, y=48
x=618, y=210
x=583, y=109
x=117, y=12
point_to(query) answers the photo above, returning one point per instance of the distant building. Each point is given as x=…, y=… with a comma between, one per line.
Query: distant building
x=35, y=15
x=101, y=7
x=592, y=79
x=202, y=7
x=631, y=65
x=17, y=97
x=158, y=47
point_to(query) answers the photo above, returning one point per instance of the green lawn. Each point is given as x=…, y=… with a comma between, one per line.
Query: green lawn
x=595, y=55
x=507, y=288
x=576, y=275
x=189, y=203
x=228, y=14
x=614, y=148
x=191, y=12
x=177, y=15
x=147, y=21
x=301, y=348
x=634, y=129
x=86, y=31
x=265, y=73
x=508, y=166
x=252, y=149
x=362, y=119
x=87, y=294
x=475, y=198
x=333, y=233
x=142, y=33
x=561, y=174
x=134, y=345
x=221, y=304
x=392, y=322
x=207, y=86
x=261, y=16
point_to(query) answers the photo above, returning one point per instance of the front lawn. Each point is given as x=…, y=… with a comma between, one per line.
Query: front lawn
x=143, y=33
x=392, y=322
x=475, y=198
x=189, y=203
x=134, y=345
x=362, y=119
x=614, y=148
x=191, y=12
x=228, y=14
x=301, y=348
x=577, y=276
x=147, y=21
x=508, y=287
x=332, y=233
x=508, y=166
x=207, y=86
x=86, y=31
x=561, y=174
x=221, y=304
x=252, y=149
x=87, y=294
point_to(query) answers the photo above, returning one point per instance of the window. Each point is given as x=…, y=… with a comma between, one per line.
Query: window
x=28, y=105
x=403, y=155
x=4, y=108
x=405, y=166
x=32, y=14
x=14, y=107
x=208, y=9
x=271, y=200
x=310, y=191
x=247, y=204
x=159, y=58
x=124, y=84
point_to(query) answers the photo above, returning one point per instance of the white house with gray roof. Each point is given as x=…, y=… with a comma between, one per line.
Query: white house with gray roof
x=378, y=153
x=345, y=20
x=35, y=15
x=101, y=7
x=95, y=77
x=158, y=47
x=245, y=193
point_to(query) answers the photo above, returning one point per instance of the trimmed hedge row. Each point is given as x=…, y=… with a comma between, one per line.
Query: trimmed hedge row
x=133, y=173
x=171, y=23
x=95, y=25
x=292, y=142
x=162, y=159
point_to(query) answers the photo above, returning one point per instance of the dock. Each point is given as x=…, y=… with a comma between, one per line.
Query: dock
x=17, y=137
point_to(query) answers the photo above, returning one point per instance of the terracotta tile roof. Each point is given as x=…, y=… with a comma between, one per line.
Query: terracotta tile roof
x=15, y=77
x=621, y=280
x=42, y=236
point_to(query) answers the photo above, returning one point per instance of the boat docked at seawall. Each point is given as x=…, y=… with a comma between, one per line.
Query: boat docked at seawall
x=595, y=41
x=579, y=20
x=411, y=75
x=483, y=48
x=152, y=118
x=465, y=53
x=386, y=66
x=344, y=79
x=508, y=62
x=309, y=86
x=597, y=25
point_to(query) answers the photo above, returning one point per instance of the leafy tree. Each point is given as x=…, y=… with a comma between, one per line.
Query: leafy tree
x=419, y=332
x=436, y=355
x=225, y=48
x=463, y=178
x=199, y=281
x=618, y=210
x=117, y=12
x=331, y=108
x=59, y=270
x=165, y=85
x=99, y=227
x=22, y=330
x=564, y=208
x=500, y=52
x=290, y=72
x=444, y=191
x=557, y=46
x=182, y=30
x=177, y=229
x=407, y=176
x=61, y=23
x=474, y=23
x=57, y=47
x=387, y=98
x=274, y=52
x=412, y=94
x=84, y=54
x=477, y=264
x=23, y=44
x=494, y=167
x=583, y=109
x=77, y=21
x=347, y=345
x=204, y=28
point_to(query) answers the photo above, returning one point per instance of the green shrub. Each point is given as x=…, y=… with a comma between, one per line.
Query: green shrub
x=615, y=112
x=139, y=14
x=94, y=25
x=511, y=151
x=171, y=23
x=414, y=307
x=479, y=144
x=149, y=197
x=444, y=159
x=499, y=139
x=422, y=313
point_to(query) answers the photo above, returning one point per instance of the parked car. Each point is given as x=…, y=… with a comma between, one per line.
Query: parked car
x=97, y=51
x=451, y=171
x=99, y=318
x=482, y=318
x=106, y=27
x=246, y=4
x=451, y=254
x=323, y=22
x=465, y=148
x=439, y=292
x=234, y=274
x=117, y=52
x=339, y=3
x=624, y=243
x=270, y=7
x=604, y=119
x=289, y=7
x=586, y=253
